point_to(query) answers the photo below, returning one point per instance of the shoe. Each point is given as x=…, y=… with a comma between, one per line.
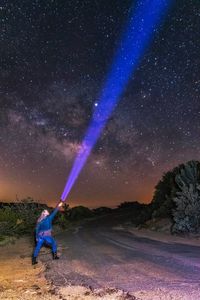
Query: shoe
x=34, y=261
x=55, y=256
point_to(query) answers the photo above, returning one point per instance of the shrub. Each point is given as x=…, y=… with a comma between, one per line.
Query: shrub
x=130, y=205
x=162, y=202
x=142, y=215
x=177, y=196
x=8, y=215
x=62, y=221
x=79, y=213
x=103, y=210
x=186, y=214
x=19, y=218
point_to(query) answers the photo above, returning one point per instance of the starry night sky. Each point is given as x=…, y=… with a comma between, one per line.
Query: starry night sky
x=55, y=55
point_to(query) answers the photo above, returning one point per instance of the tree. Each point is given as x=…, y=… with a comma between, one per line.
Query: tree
x=130, y=205
x=162, y=202
x=177, y=190
x=186, y=213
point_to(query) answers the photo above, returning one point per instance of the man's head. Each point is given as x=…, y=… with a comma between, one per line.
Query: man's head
x=43, y=215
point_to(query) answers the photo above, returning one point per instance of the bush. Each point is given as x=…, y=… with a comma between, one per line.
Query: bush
x=103, y=210
x=9, y=222
x=8, y=215
x=142, y=215
x=177, y=196
x=80, y=212
x=130, y=205
x=4, y=240
x=186, y=214
x=19, y=218
x=162, y=202
x=62, y=221
x=166, y=190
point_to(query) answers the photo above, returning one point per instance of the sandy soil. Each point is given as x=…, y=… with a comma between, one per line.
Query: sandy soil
x=18, y=279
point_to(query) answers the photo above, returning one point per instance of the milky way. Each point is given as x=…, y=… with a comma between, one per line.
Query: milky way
x=54, y=59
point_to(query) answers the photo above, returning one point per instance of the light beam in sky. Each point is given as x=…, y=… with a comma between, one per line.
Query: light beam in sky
x=142, y=24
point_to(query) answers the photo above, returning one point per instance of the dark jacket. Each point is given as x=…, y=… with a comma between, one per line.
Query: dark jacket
x=44, y=227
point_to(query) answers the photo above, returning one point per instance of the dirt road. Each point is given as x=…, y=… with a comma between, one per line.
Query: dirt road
x=100, y=256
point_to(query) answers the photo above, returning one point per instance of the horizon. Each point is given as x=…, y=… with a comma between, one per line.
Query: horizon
x=19, y=201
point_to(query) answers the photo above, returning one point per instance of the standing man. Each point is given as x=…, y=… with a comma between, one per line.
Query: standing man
x=43, y=233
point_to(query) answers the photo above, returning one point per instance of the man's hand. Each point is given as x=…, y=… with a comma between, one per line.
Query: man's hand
x=60, y=204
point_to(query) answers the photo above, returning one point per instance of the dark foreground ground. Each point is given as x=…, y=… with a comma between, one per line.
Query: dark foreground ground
x=103, y=260
x=100, y=255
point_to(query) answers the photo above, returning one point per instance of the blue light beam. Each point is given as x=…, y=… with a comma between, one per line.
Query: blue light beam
x=142, y=24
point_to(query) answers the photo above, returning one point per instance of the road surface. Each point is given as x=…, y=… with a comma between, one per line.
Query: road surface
x=98, y=255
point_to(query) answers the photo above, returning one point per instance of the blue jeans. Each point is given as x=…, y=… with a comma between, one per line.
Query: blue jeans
x=46, y=240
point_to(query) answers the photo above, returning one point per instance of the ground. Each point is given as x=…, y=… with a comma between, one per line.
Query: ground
x=102, y=260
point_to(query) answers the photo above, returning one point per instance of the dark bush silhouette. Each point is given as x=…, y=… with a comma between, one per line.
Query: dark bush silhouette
x=135, y=212
x=103, y=210
x=177, y=196
x=162, y=202
x=130, y=205
x=79, y=213
x=19, y=218
x=186, y=213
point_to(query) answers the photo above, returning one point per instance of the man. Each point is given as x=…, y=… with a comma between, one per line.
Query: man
x=43, y=233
